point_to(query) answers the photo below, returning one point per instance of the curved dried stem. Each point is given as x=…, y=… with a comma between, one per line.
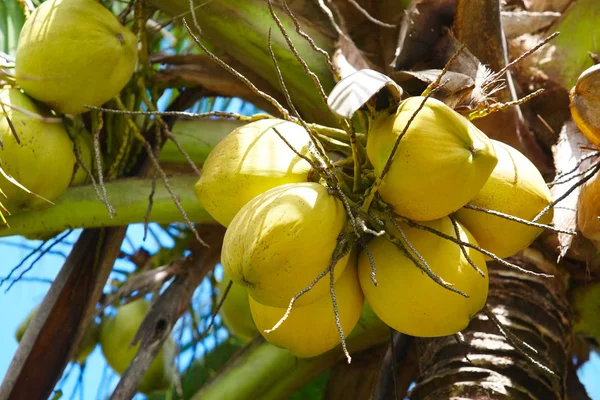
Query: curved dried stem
x=463, y=249
x=210, y=114
x=291, y=46
x=369, y=16
x=419, y=261
x=517, y=219
x=285, y=114
x=514, y=340
x=310, y=41
x=479, y=249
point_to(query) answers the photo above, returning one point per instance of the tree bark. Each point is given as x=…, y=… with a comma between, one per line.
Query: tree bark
x=487, y=365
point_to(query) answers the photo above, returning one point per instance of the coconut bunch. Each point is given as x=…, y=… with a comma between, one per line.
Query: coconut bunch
x=406, y=221
x=70, y=54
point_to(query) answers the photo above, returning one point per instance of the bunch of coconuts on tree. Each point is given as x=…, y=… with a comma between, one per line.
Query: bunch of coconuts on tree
x=395, y=216
x=406, y=221
x=71, y=54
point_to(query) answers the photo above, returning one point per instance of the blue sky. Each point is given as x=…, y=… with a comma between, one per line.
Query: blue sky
x=26, y=295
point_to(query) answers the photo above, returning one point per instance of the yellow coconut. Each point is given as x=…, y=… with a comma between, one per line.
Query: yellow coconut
x=249, y=161
x=235, y=311
x=441, y=163
x=311, y=330
x=86, y=346
x=42, y=163
x=116, y=334
x=517, y=188
x=72, y=53
x=585, y=101
x=407, y=299
x=282, y=240
x=588, y=210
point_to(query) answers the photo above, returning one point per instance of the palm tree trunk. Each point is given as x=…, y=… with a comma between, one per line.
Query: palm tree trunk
x=487, y=364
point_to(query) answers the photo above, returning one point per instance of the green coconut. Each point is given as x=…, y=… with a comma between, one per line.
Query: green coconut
x=73, y=53
x=116, y=334
x=42, y=162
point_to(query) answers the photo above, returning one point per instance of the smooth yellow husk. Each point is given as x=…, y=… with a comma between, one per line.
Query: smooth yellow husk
x=407, y=299
x=282, y=240
x=585, y=101
x=116, y=334
x=441, y=163
x=73, y=53
x=42, y=163
x=311, y=330
x=517, y=188
x=249, y=161
x=235, y=311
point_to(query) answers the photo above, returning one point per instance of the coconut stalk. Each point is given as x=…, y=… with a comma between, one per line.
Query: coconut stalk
x=266, y=372
x=80, y=207
x=240, y=28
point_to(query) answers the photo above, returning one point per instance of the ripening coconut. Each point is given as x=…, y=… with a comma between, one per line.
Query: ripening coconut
x=249, y=161
x=282, y=240
x=516, y=188
x=441, y=162
x=44, y=160
x=407, y=299
x=311, y=330
x=73, y=53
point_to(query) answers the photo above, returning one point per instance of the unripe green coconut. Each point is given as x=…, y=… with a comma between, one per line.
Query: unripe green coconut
x=86, y=346
x=441, y=163
x=585, y=302
x=235, y=311
x=249, y=161
x=116, y=334
x=516, y=188
x=43, y=162
x=282, y=240
x=407, y=299
x=73, y=53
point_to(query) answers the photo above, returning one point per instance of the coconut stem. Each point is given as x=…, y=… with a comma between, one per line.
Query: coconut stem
x=79, y=207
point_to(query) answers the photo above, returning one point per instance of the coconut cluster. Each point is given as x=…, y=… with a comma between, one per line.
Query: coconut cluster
x=70, y=54
x=442, y=204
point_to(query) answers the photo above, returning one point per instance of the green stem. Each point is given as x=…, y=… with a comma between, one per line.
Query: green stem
x=80, y=207
x=266, y=372
x=240, y=27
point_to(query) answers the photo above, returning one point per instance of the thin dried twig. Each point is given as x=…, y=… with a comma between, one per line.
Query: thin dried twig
x=39, y=257
x=290, y=44
x=97, y=154
x=211, y=114
x=138, y=135
x=230, y=69
x=369, y=16
x=514, y=340
x=419, y=261
x=479, y=249
x=336, y=313
x=310, y=41
x=217, y=309
x=567, y=193
x=517, y=219
x=463, y=249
